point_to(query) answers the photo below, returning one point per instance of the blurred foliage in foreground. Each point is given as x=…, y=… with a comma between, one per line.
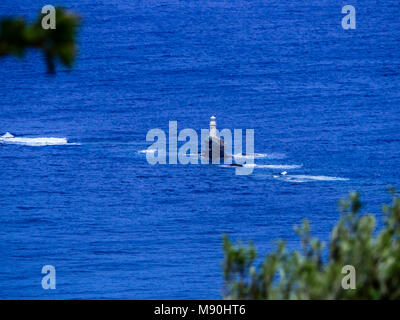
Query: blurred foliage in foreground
x=304, y=275
x=16, y=36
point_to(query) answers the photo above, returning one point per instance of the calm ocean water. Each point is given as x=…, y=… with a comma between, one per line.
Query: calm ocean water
x=318, y=97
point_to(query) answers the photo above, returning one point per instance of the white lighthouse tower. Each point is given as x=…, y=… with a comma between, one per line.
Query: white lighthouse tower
x=215, y=146
x=213, y=127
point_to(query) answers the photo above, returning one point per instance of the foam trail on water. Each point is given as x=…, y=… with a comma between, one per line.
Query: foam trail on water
x=147, y=151
x=269, y=166
x=8, y=138
x=274, y=166
x=261, y=155
x=309, y=178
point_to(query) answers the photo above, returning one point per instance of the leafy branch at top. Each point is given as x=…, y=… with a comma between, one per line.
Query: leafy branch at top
x=16, y=36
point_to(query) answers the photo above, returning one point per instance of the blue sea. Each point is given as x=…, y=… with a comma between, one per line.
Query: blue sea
x=323, y=102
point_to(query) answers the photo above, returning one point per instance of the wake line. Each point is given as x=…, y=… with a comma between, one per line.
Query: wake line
x=274, y=166
x=8, y=138
x=308, y=178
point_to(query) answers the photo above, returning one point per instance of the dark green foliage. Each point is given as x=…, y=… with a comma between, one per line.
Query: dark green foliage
x=16, y=36
x=304, y=275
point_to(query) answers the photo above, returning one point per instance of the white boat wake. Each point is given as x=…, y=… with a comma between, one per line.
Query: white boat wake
x=274, y=166
x=283, y=175
x=308, y=178
x=147, y=151
x=260, y=155
x=8, y=138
